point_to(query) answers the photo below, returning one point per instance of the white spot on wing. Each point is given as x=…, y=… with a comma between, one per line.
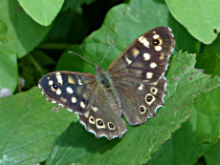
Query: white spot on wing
x=69, y=90
x=158, y=48
x=80, y=82
x=74, y=100
x=146, y=56
x=156, y=36
x=59, y=78
x=153, y=65
x=128, y=61
x=58, y=92
x=50, y=82
x=141, y=87
x=144, y=41
x=149, y=75
x=82, y=104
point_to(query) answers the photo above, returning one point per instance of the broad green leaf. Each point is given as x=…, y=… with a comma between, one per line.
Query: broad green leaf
x=42, y=11
x=19, y=33
x=200, y=18
x=29, y=125
x=212, y=156
x=196, y=136
x=140, y=16
x=8, y=69
x=184, y=83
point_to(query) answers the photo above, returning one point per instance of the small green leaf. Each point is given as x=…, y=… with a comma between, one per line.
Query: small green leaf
x=42, y=11
x=200, y=18
x=20, y=33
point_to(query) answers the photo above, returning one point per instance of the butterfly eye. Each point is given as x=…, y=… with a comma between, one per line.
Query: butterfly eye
x=156, y=42
x=111, y=126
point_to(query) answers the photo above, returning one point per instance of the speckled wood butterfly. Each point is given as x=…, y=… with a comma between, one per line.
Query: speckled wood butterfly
x=134, y=86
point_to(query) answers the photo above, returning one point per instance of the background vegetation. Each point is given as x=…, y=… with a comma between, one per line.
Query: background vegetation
x=35, y=38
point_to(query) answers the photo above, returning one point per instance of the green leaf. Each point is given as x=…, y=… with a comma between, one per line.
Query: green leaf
x=200, y=18
x=29, y=126
x=212, y=156
x=140, y=16
x=196, y=136
x=79, y=146
x=8, y=69
x=20, y=34
x=42, y=11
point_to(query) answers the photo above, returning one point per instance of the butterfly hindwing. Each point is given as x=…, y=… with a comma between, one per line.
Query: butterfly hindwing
x=101, y=119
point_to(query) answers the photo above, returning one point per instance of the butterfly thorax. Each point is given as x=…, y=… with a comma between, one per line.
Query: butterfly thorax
x=105, y=81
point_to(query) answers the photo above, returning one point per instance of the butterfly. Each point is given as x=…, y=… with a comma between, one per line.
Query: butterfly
x=133, y=86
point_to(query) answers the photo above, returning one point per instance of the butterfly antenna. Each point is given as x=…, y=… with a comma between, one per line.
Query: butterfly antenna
x=71, y=52
x=112, y=42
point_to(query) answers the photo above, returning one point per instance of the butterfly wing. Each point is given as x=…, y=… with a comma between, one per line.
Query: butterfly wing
x=138, y=74
x=102, y=120
x=71, y=90
x=80, y=93
x=146, y=59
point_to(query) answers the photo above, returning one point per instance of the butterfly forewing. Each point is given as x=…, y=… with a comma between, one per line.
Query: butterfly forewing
x=146, y=58
x=73, y=90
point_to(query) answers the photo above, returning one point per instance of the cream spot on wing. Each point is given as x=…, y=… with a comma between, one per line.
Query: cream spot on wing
x=82, y=104
x=58, y=92
x=59, y=78
x=144, y=41
x=86, y=114
x=146, y=56
x=74, y=100
x=153, y=65
x=154, y=83
x=94, y=109
x=141, y=87
x=127, y=60
x=135, y=52
x=91, y=120
x=161, y=57
x=156, y=36
x=71, y=80
x=158, y=48
x=50, y=82
x=69, y=90
x=63, y=100
x=80, y=82
x=149, y=75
